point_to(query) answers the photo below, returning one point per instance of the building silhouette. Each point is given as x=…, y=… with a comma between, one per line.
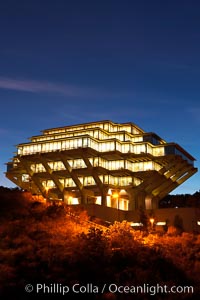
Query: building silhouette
x=105, y=163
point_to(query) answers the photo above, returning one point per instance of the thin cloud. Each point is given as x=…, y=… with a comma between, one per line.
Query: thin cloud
x=40, y=86
x=35, y=86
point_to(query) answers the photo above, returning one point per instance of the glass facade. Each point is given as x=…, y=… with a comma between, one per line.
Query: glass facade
x=118, y=165
x=111, y=165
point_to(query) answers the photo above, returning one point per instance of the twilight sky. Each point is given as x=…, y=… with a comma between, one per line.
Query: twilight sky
x=66, y=62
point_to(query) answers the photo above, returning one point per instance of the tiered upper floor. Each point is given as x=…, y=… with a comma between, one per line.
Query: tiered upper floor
x=104, y=136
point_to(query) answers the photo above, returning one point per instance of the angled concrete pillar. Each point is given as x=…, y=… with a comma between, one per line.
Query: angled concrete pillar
x=156, y=181
x=93, y=173
x=165, y=191
x=75, y=178
x=181, y=172
x=33, y=176
x=168, y=166
x=51, y=173
x=176, y=168
x=189, y=173
x=163, y=187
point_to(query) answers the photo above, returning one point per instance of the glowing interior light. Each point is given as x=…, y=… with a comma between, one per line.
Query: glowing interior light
x=151, y=221
x=123, y=192
x=98, y=200
x=109, y=192
x=136, y=224
x=161, y=223
x=70, y=200
x=108, y=201
x=198, y=222
x=115, y=195
x=75, y=201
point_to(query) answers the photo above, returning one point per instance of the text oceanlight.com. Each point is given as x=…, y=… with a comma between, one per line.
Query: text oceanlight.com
x=58, y=288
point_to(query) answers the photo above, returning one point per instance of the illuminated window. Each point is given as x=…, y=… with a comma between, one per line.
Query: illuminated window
x=69, y=200
x=48, y=183
x=25, y=178
x=77, y=163
x=158, y=151
x=136, y=224
x=106, y=179
x=89, y=180
x=106, y=126
x=68, y=182
x=123, y=204
x=108, y=201
x=161, y=223
x=75, y=201
x=56, y=165
x=125, y=148
x=137, y=181
x=98, y=200
x=137, y=139
x=118, y=147
x=37, y=168
x=85, y=142
x=139, y=149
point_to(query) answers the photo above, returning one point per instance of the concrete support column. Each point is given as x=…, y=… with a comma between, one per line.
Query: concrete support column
x=155, y=202
x=132, y=202
x=75, y=178
x=33, y=176
x=163, y=187
x=51, y=174
x=104, y=195
x=94, y=174
x=189, y=173
x=181, y=172
x=169, y=166
x=139, y=199
x=154, y=182
x=176, y=169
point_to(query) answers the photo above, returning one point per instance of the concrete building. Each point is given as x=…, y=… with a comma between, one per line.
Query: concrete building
x=104, y=163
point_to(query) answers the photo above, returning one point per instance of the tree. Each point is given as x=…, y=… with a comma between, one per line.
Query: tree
x=178, y=223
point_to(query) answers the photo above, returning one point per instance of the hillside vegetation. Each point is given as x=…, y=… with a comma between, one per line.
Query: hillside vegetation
x=44, y=243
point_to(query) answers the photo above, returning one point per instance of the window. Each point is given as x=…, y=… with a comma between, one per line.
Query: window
x=25, y=178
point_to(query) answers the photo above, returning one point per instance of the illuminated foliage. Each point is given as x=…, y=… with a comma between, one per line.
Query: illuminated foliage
x=48, y=244
x=121, y=235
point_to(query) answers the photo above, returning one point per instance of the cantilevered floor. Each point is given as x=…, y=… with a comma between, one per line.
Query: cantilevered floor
x=111, y=164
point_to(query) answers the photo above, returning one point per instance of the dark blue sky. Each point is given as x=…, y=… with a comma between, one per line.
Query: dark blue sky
x=67, y=62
